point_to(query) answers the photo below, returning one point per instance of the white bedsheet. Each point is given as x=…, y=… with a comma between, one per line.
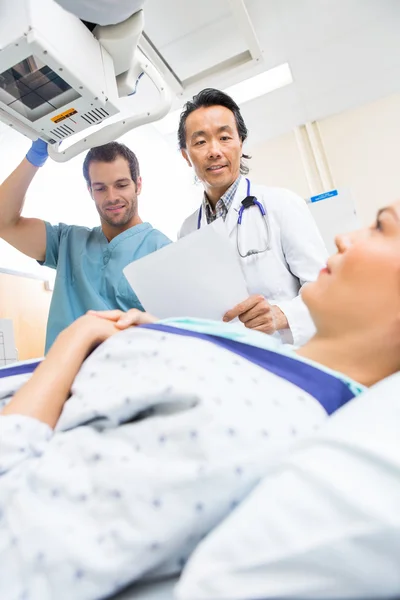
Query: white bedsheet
x=159, y=441
x=155, y=590
x=323, y=524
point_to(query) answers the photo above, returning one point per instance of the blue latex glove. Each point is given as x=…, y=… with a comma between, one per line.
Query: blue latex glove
x=37, y=155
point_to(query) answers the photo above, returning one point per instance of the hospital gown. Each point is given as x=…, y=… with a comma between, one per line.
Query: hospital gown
x=162, y=437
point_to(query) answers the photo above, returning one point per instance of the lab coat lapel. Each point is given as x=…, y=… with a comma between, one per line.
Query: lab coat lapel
x=232, y=216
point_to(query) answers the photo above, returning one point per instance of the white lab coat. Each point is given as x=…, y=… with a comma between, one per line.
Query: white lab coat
x=297, y=252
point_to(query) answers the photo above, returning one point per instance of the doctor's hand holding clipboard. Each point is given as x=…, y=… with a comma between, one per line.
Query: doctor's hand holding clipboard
x=257, y=313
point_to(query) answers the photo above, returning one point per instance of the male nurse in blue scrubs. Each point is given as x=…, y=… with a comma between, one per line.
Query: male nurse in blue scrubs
x=89, y=262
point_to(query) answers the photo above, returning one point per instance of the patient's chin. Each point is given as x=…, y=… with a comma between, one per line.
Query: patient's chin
x=307, y=292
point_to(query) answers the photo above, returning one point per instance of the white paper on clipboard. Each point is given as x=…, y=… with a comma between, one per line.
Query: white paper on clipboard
x=197, y=276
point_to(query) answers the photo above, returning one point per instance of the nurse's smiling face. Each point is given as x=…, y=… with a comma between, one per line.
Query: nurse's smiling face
x=115, y=195
x=359, y=290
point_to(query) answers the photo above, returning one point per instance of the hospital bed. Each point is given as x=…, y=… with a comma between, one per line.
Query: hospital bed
x=368, y=457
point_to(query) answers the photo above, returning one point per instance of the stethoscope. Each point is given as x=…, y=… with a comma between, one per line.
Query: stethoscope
x=246, y=203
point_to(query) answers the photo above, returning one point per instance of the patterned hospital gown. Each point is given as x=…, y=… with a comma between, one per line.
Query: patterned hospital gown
x=162, y=437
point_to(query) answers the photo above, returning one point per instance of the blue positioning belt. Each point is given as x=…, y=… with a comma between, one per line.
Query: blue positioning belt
x=19, y=369
x=330, y=391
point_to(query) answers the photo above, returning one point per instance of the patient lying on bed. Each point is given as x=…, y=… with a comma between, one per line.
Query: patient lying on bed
x=169, y=425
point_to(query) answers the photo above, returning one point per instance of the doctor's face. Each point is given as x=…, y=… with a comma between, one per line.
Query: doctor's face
x=213, y=147
x=359, y=290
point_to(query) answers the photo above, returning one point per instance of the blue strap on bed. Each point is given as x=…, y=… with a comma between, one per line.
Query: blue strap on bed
x=330, y=391
x=19, y=369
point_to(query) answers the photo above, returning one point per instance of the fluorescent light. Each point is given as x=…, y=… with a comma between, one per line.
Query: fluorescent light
x=242, y=92
x=261, y=84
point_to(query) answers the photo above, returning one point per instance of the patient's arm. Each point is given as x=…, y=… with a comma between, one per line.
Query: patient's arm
x=122, y=319
x=44, y=395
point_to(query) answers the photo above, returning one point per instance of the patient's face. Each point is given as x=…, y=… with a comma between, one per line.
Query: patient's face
x=360, y=288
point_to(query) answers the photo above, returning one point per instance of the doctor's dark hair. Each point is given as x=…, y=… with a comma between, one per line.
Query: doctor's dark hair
x=212, y=97
x=109, y=153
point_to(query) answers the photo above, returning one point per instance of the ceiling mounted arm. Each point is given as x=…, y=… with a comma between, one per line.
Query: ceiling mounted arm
x=113, y=131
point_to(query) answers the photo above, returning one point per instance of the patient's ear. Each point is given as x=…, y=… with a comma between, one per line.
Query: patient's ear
x=186, y=157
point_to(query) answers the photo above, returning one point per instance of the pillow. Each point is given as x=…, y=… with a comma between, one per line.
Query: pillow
x=323, y=523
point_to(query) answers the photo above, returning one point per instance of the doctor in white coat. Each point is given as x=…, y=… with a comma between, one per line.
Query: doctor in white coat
x=279, y=252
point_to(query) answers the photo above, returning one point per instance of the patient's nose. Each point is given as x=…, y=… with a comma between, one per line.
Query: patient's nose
x=343, y=241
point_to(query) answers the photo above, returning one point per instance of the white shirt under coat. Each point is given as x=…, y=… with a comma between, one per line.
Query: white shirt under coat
x=297, y=252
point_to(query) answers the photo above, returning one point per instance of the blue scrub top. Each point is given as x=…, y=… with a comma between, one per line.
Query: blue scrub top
x=89, y=270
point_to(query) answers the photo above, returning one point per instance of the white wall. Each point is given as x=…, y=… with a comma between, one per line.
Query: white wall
x=277, y=162
x=363, y=150
x=362, y=147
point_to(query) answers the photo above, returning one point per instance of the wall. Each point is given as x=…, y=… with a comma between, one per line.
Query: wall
x=278, y=163
x=362, y=147
x=363, y=150
x=26, y=302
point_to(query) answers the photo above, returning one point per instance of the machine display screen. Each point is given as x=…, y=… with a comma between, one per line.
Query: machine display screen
x=34, y=90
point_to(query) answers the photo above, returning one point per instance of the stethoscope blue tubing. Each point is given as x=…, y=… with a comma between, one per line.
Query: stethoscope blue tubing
x=239, y=221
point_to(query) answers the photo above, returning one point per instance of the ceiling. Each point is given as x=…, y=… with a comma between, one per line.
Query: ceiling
x=342, y=53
